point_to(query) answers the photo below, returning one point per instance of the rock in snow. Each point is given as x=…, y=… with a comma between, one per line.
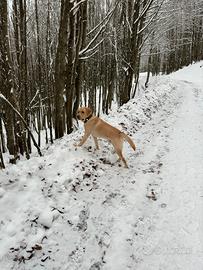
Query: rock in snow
x=46, y=218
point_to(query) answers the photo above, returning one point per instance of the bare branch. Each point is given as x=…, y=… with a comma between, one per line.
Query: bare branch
x=23, y=120
x=107, y=17
x=151, y=19
x=77, y=5
x=92, y=49
x=144, y=11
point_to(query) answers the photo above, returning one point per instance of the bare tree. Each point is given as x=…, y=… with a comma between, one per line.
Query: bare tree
x=60, y=68
x=6, y=80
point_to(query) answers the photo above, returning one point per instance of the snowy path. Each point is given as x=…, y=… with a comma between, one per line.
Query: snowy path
x=176, y=240
x=167, y=233
x=86, y=213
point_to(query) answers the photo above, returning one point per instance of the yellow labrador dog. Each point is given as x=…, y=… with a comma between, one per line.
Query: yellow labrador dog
x=98, y=128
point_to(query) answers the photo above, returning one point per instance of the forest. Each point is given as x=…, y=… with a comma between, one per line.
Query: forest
x=57, y=55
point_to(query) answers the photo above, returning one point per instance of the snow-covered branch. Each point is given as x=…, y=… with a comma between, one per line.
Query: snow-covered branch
x=144, y=11
x=36, y=94
x=92, y=49
x=89, y=56
x=92, y=41
x=77, y=5
x=102, y=29
x=107, y=17
x=2, y=97
x=151, y=19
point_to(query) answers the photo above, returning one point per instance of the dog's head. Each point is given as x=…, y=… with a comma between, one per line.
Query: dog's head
x=83, y=113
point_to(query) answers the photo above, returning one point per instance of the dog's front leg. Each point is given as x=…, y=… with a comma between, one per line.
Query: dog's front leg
x=84, y=138
x=96, y=142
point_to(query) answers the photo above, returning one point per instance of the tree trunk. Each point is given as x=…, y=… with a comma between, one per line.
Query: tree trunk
x=6, y=80
x=60, y=68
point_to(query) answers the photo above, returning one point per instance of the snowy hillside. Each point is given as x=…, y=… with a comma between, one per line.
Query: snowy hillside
x=79, y=209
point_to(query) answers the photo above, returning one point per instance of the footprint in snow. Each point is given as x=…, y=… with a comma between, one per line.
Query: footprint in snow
x=83, y=217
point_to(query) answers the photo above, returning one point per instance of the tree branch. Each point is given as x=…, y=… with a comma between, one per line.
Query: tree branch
x=23, y=120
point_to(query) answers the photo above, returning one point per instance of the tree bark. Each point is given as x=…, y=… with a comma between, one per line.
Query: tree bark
x=6, y=79
x=60, y=69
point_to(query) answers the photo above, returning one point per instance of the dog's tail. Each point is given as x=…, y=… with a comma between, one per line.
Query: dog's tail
x=129, y=140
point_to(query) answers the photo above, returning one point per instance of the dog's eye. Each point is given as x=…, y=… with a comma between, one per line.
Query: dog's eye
x=82, y=112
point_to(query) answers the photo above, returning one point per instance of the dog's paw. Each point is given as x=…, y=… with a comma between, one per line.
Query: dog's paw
x=76, y=144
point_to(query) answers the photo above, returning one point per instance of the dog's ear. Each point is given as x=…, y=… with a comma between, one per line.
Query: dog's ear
x=89, y=111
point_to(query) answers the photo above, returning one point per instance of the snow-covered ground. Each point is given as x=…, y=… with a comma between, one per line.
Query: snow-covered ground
x=78, y=209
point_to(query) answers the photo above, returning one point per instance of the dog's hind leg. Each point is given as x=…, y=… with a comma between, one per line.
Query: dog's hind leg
x=118, y=148
x=121, y=157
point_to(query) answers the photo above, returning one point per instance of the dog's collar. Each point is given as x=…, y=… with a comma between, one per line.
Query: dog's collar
x=88, y=118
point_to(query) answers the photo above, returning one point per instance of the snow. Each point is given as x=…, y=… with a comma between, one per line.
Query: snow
x=2, y=192
x=76, y=208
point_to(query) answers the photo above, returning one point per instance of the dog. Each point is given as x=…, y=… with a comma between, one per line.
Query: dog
x=98, y=128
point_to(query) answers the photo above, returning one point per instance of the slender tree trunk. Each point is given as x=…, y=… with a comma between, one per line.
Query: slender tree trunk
x=60, y=68
x=6, y=80
x=80, y=66
x=48, y=72
x=23, y=69
x=2, y=166
x=3, y=145
x=70, y=82
x=39, y=75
